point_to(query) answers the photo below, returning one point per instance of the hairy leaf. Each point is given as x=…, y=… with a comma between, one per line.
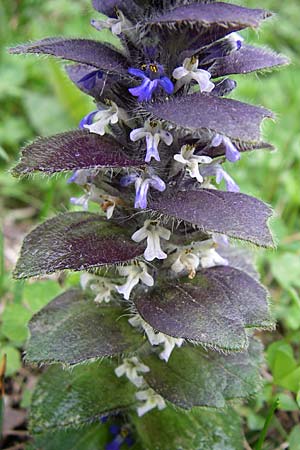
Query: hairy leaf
x=79, y=396
x=234, y=119
x=234, y=214
x=77, y=241
x=73, y=150
x=80, y=50
x=195, y=377
x=212, y=309
x=199, y=429
x=87, y=437
x=100, y=87
x=73, y=328
x=213, y=20
x=108, y=7
x=247, y=59
x=239, y=258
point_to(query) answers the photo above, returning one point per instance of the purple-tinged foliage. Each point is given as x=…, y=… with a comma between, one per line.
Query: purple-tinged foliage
x=76, y=241
x=213, y=309
x=73, y=150
x=72, y=328
x=79, y=50
x=219, y=377
x=236, y=215
x=151, y=157
x=247, y=59
x=234, y=119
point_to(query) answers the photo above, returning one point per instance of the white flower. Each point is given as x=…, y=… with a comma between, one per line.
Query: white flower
x=151, y=399
x=152, y=232
x=186, y=260
x=100, y=286
x=106, y=116
x=134, y=273
x=189, y=71
x=153, y=133
x=235, y=39
x=157, y=338
x=92, y=195
x=130, y=367
x=211, y=258
x=115, y=25
x=191, y=161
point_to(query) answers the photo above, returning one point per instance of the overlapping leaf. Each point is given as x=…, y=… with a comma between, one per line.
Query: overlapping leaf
x=108, y=7
x=195, y=377
x=212, y=309
x=247, y=59
x=72, y=328
x=234, y=214
x=77, y=241
x=73, y=150
x=214, y=20
x=79, y=50
x=98, y=84
x=69, y=398
x=199, y=429
x=234, y=119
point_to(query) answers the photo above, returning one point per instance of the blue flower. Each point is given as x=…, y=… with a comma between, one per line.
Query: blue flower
x=142, y=185
x=153, y=77
x=88, y=119
x=89, y=80
x=121, y=436
x=231, y=152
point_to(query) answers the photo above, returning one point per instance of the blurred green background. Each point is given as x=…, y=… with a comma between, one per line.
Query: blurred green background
x=37, y=99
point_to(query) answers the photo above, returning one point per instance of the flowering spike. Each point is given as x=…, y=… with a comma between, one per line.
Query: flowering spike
x=151, y=157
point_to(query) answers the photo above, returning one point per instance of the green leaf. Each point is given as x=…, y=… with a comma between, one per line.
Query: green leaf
x=16, y=316
x=14, y=320
x=68, y=398
x=89, y=437
x=73, y=328
x=195, y=377
x=13, y=359
x=200, y=429
x=294, y=438
x=281, y=270
x=285, y=370
x=286, y=402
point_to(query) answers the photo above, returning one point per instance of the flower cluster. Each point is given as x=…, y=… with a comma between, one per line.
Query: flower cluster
x=156, y=155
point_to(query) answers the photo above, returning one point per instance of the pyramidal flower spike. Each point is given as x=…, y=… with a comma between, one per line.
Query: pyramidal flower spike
x=167, y=297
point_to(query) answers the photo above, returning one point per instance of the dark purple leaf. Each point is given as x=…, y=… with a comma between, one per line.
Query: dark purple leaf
x=73, y=150
x=234, y=119
x=107, y=7
x=213, y=309
x=80, y=50
x=195, y=377
x=73, y=328
x=236, y=215
x=212, y=20
x=76, y=241
x=247, y=59
x=239, y=258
